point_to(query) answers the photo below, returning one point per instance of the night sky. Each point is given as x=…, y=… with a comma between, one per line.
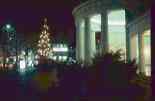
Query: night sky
x=27, y=16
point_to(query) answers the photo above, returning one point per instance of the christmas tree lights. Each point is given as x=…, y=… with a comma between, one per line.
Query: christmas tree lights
x=44, y=47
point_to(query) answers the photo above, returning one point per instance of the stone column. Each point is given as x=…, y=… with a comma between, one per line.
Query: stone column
x=80, y=38
x=128, y=44
x=104, y=32
x=87, y=41
x=133, y=45
x=77, y=40
x=81, y=41
x=141, y=52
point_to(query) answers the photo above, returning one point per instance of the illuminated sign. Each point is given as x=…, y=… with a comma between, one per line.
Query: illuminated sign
x=60, y=49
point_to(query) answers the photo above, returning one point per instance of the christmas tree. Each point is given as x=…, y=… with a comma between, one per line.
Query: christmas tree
x=44, y=46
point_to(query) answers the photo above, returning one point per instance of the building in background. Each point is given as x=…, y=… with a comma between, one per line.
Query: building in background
x=8, y=46
x=15, y=52
x=63, y=49
x=107, y=25
x=63, y=53
x=60, y=52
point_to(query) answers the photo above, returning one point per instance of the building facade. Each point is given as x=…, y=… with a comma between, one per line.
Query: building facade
x=139, y=41
x=102, y=26
x=60, y=52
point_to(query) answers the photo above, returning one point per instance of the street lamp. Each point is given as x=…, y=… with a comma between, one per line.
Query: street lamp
x=9, y=40
x=5, y=29
x=8, y=26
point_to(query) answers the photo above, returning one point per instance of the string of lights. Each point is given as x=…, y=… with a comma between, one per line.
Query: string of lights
x=44, y=47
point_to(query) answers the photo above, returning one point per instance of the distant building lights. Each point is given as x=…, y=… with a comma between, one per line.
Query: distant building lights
x=36, y=62
x=64, y=58
x=61, y=45
x=1, y=65
x=36, y=57
x=22, y=64
x=7, y=60
x=23, y=53
x=59, y=58
x=61, y=49
x=30, y=63
x=10, y=66
x=54, y=57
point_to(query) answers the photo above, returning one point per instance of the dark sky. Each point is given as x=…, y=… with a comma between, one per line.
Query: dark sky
x=27, y=15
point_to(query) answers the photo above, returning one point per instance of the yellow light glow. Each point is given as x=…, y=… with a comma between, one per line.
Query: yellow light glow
x=147, y=33
x=44, y=45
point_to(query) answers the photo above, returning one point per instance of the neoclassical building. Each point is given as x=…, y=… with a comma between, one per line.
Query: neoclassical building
x=139, y=42
x=103, y=26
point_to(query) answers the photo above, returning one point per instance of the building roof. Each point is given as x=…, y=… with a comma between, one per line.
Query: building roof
x=135, y=7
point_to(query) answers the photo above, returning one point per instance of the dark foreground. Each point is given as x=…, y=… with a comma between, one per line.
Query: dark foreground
x=107, y=80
